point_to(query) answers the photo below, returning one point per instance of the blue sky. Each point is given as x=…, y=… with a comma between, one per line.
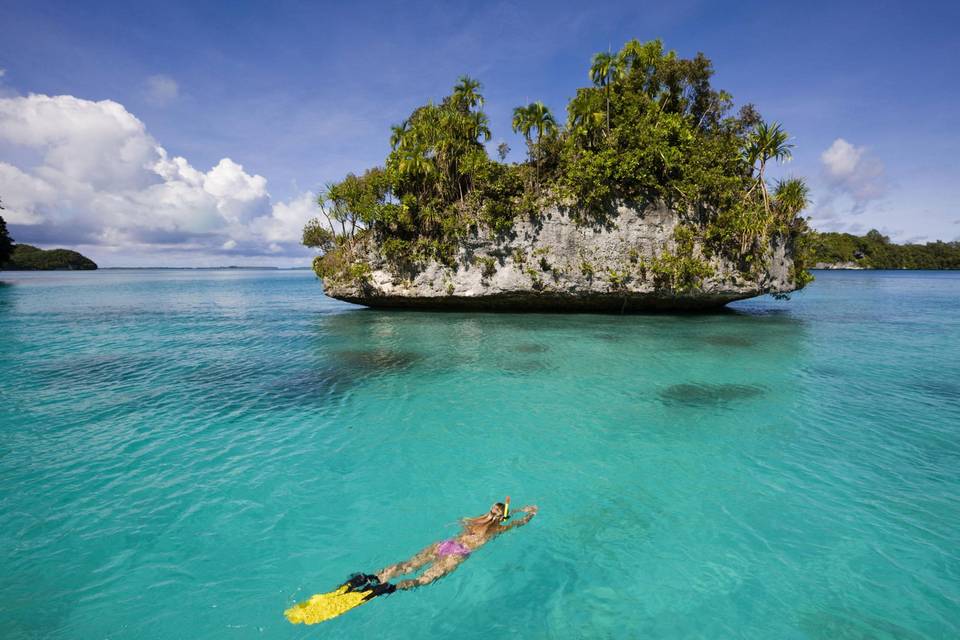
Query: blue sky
x=293, y=95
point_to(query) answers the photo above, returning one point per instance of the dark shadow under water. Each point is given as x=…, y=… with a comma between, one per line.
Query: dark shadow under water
x=708, y=394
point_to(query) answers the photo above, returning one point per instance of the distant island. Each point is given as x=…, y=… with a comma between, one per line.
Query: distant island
x=875, y=251
x=651, y=195
x=25, y=257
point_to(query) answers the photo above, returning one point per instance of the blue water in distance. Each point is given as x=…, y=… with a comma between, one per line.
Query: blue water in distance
x=185, y=454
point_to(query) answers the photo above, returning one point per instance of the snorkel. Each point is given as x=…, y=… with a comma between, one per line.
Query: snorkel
x=506, y=510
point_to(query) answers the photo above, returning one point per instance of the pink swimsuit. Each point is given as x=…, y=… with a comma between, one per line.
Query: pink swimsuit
x=452, y=548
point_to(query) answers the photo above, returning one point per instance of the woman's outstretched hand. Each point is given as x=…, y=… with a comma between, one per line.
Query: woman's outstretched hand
x=531, y=509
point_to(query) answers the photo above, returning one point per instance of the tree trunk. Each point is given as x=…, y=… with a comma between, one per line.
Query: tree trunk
x=763, y=188
x=329, y=222
x=539, y=136
x=608, y=107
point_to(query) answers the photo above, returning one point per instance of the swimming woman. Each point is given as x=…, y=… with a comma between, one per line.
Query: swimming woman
x=443, y=557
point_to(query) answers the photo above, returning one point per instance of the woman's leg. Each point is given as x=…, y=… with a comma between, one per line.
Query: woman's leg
x=408, y=566
x=437, y=570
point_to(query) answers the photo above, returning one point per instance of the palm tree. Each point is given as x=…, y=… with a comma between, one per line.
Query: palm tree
x=631, y=55
x=397, y=132
x=466, y=94
x=602, y=72
x=521, y=122
x=535, y=115
x=584, y=121
x=767, y=142
x=414, y=163
x=481, y=126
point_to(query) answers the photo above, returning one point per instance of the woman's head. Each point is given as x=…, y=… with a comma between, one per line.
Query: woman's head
x=489, y=519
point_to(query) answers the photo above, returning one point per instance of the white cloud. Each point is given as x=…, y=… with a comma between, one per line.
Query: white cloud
x=852, y=173
x=100, y=179
x=161, y=90
x=286, y=219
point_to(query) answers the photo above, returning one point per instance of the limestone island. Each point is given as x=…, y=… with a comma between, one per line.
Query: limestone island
x=651, y=196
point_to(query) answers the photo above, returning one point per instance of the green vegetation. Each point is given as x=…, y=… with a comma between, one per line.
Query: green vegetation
x=28, y=258
x=6, y=242
x=680, y=271
x=875, y=251
x=651, y=130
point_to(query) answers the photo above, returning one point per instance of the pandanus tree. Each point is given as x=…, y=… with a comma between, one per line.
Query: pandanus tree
x=534, y=116
x=603, y=70
x=768, y=141
x=790, y=198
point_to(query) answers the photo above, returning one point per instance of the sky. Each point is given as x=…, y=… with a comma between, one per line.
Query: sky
x=198, y=133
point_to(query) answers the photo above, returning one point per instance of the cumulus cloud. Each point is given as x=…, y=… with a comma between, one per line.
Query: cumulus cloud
x=91, y=174
x=851, y=172
x=161, y=90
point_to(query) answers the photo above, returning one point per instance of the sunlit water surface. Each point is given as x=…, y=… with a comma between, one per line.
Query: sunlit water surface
x=186, y=454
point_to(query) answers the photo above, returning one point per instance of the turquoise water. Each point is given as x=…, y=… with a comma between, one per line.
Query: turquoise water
x=185, y=454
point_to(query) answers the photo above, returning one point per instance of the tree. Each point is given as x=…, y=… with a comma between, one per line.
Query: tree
x=317, y=236
x=503, y=150
x=397, y=132
x=466, y=94
x=602, y=72
x=6, y=242
x=768, y=141
x=586, y=117
x=791, y=197
x=356, y=200
x=535, y=115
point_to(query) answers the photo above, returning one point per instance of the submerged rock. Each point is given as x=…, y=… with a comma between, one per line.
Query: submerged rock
x=552, y=263
x=708, y=395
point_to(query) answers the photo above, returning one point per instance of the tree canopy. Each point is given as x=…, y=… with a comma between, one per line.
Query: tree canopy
x=26, y=257
x=875, y=251
x=6, y=242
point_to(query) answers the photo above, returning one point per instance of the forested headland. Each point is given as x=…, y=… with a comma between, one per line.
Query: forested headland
x=25, y=257
x=875, y=251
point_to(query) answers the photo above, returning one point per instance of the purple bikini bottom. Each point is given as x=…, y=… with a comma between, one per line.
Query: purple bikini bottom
x=452, y=548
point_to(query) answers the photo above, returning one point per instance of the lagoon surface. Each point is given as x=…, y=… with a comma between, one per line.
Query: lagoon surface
x=185, y=454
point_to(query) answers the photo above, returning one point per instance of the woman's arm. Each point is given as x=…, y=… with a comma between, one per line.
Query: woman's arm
x=530, y=512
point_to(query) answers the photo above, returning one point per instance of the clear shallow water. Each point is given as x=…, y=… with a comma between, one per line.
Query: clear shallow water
x=185, y=454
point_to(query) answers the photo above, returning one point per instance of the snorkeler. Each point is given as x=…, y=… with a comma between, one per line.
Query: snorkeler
x=443, y=557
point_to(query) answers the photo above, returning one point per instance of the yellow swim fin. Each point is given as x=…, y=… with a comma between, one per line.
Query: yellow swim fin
x=324, y=606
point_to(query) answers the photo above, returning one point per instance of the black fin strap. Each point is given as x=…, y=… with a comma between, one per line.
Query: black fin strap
x=380, y=590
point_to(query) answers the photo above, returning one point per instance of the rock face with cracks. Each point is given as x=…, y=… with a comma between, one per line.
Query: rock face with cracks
x=555, y=264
